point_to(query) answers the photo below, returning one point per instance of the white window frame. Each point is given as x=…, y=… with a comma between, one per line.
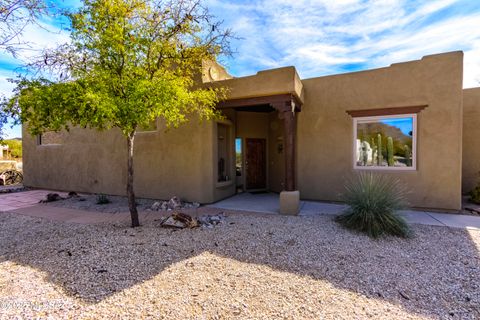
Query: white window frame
x=377, y=118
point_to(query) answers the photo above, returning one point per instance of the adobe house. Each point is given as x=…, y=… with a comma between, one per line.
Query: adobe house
x=299, y=137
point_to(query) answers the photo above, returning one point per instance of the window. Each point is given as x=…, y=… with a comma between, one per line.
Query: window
x=224, y=154
x=52, y=138
x=385, y=142
x=238, y=157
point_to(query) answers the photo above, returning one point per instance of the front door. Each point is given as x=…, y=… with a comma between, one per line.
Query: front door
x=255, y=164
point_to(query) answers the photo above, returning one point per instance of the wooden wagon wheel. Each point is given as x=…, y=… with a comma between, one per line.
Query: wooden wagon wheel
x=11, y=177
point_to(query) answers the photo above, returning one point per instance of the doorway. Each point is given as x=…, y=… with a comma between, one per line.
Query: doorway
x=255, y=164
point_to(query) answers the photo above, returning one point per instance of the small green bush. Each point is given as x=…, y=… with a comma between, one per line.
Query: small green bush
x=102, y=199
x=372, y=204
x=475, y=195
x=14, y=147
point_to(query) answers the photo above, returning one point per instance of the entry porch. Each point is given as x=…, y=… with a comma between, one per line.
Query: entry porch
x=262, y=131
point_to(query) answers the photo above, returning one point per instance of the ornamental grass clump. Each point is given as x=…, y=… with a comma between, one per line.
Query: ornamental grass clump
x=373, y=201
x=102, y=199
x=475, y=195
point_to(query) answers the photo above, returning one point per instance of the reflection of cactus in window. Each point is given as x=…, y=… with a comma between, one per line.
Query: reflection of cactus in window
x=379, y=150
x=408, y=155
x=364, y=154
x=390, y=160
x=374, y=149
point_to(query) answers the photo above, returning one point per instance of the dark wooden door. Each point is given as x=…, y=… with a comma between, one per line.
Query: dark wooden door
x=256, y=164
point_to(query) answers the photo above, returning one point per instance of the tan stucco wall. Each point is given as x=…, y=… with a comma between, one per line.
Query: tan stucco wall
x=471, y=139
x=325, y=130
x=265, y=83
x=166, y=163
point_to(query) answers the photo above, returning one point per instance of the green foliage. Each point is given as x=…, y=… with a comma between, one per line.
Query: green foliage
x=372, y=204
x=379, y=150
x=408, y=156
x=390, y=159
x=475, y=195
x=14, y=147
x=374, y=149
x=238, y=159
x=102, y=199
x=364, y=153
x=129, y=62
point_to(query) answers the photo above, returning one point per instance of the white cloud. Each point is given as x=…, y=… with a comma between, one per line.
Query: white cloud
x=37, y=39
x=5, y=86
x=471, y=70
x=325, y=37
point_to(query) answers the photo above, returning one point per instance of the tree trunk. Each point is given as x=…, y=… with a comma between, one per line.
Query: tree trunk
x=130, y=193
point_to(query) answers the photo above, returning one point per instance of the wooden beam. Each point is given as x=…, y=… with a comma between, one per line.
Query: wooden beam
x=385, y=111
x=255, y=101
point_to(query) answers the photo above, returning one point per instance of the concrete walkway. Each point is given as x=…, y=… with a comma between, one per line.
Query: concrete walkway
x=269, y=203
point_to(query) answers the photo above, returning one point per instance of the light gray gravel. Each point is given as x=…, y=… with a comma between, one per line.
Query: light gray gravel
x=88, y=202
x=250, y=267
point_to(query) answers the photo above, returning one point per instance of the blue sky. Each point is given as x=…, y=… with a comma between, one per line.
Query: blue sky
x=404, y=124
x=238, y=145
x=320, y=37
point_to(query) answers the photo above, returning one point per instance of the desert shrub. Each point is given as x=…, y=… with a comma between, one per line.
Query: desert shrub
x=102, y=199
x=475, y=195
x=373, y=201
x=14, y=147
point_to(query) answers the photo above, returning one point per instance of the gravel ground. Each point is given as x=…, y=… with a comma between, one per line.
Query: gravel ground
x=13, y=188
x=88, y=202
x=250, y=267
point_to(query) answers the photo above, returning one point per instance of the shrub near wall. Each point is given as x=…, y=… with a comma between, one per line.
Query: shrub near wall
x=373, y=201
x=14, y=148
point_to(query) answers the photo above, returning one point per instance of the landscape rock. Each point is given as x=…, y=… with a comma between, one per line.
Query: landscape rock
x=211, y=220
x=180, y=220
x=156, y=206
x=173, y=204
x=51, y=197
x=164, y=206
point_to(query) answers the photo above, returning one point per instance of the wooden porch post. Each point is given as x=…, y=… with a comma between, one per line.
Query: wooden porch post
x=289, y=146
x=286, y=112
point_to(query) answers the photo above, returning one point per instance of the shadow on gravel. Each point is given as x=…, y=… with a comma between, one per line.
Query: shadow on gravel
x=435, y=273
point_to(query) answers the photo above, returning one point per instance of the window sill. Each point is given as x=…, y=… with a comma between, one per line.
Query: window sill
x=386, y=168
x=50, y=145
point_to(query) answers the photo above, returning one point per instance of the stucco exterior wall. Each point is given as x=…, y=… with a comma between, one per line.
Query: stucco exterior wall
x=325, y=130
x=471, y=139
x=264, y=83
x=92, y=161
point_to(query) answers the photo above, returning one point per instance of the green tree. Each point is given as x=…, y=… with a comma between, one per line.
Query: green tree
x=14, y=147
x=129, y=63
